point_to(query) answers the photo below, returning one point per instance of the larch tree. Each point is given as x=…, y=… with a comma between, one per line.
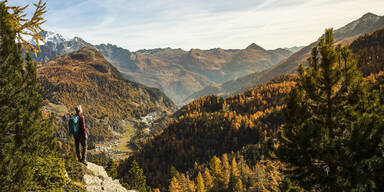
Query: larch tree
x=208, y=179
x=226, y=171
x=200, y=183
x=174, y=186
x=27, y=27
x=238, y=186
x=217, y=172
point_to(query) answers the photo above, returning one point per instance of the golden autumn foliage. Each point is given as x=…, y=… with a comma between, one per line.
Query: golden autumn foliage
x=213, y=126
x=85, y=78
x=27, y=27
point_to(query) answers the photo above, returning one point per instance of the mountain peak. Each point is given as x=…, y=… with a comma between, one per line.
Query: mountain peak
x=369, y=15
x=255, y=46
x=369, y=22
x=52, y=37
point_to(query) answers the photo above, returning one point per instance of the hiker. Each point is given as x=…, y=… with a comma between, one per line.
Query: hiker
x=77, y=128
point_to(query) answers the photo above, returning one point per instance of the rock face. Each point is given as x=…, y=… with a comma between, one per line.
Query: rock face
x=99, y=181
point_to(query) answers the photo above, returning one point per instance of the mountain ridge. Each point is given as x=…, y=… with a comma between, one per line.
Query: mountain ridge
x=176, y=72
x=368, y=23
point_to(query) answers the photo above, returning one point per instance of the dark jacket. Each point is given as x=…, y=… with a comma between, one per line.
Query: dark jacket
x=83, y=130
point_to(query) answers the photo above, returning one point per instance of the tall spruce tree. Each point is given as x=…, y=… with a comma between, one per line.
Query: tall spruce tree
x=322, y=117
x=28, y=158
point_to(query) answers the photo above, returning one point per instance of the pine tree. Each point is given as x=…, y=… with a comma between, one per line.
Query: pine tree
x=136, y=178
x=364, y=143
x=28, y=158
x=200, y=183
x=320, y=112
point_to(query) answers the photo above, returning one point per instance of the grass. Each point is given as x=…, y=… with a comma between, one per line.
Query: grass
x=123, y=143
x=124, y=140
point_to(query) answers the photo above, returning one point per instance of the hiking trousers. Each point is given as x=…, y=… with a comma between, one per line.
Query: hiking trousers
x=81, y=140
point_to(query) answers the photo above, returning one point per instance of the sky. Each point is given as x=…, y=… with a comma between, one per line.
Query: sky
x=203, y=24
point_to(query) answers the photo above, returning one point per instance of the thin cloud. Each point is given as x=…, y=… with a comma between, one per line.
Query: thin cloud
x=138, y=24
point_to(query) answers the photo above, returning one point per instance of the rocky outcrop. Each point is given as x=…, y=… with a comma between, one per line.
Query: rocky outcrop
x=99, y=181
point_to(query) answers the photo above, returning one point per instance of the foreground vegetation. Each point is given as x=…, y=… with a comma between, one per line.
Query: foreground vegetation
x=28, y=157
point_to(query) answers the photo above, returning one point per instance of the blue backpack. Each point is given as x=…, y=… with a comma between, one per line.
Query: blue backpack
x=74, y=125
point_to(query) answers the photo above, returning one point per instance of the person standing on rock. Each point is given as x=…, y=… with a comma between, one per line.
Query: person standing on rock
x=80, y=134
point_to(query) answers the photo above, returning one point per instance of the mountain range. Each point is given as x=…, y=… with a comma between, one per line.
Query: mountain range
x=176, y=72
x=110, y=102
x=186, y=75
x=368, y=23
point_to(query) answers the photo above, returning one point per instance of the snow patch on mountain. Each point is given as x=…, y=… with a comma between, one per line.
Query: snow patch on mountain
x=52, y=37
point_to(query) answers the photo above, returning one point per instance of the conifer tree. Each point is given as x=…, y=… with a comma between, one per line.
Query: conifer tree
x=239, y=186
x=24, y=26
x=217, y=172
x=28, y=158
x=208, y=179
x=226, y=171
x=200, y=183
x=329, y=98
x=235, y=172
x=136, y=178
x=174, y=185
x=216, y=168
x=190, y=185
